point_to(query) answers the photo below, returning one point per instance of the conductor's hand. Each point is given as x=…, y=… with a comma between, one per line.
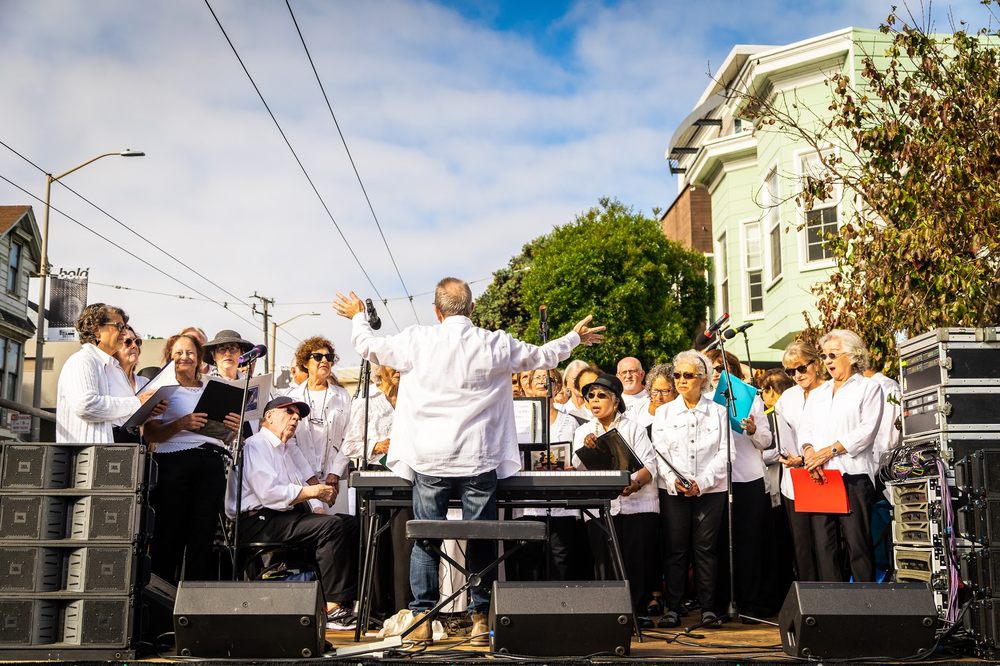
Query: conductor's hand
x=589, y=336
x=590, y=441
x=324, y=493
x=348, y=306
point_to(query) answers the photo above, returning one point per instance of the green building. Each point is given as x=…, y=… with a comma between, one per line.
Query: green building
x=737, y=184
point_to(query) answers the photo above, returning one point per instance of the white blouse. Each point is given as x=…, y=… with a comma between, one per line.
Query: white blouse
x=749, y=464
x=563, y=430
x=788, y=411
x=380, y=414
x=647, y=500
x=694, y=441
x=182, y=403
x=320, y=436
x=86, y=408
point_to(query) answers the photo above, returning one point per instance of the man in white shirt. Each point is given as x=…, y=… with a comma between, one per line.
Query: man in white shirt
x=86, y=408
x=453, y=433
x=635, y=396
x=274, y=505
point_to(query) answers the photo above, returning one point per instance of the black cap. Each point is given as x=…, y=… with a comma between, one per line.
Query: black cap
x=611, y=383
x=285, y=401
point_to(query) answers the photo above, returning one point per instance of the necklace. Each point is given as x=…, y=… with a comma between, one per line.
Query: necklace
x=312, y=410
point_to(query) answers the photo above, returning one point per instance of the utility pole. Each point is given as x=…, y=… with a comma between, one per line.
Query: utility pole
x=265, y=302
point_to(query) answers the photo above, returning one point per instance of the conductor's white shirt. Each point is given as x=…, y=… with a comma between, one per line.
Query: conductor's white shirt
x=454, y=414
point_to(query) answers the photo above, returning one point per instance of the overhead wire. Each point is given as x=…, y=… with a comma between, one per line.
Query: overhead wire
x=127, y=227
x=302, y=167
x=223, y=305
x=350, y=157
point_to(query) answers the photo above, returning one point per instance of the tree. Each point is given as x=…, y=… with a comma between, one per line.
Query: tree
x=613, y=263
x=916, y=142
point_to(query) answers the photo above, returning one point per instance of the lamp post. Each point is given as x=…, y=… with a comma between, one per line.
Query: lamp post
x=274, y=333
x=43, y=273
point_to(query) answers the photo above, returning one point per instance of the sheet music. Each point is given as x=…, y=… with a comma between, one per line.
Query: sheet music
x=167, y=376
x=528, y=420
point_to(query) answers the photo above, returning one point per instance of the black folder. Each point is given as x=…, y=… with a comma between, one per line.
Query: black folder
x=611, y=453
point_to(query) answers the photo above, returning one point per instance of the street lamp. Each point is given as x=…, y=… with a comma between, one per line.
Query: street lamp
x=43, y=273
x=274, y=333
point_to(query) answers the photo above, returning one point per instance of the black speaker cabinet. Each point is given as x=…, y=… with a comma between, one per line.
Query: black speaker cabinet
x=857, y=620
x=553, y=618
x=249, y=619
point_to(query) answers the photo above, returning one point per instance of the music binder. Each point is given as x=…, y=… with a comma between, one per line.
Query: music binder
x=612, y=452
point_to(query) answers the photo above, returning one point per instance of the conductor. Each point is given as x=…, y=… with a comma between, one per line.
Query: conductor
x=454, y=433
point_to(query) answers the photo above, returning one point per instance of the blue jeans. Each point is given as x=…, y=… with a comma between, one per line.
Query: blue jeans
x=430, y=502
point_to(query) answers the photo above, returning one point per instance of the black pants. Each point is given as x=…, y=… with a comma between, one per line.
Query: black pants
x=187, y=501
x=567, y=549
x=691, y=527
x=638, y=534
x=750, y=520
x=855, y=530
x=778, y=570
x=803, y=544
x=335, y=539
x=401, y=547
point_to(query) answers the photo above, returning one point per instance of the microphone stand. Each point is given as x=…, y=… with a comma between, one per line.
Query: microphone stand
x=746, y=343
x=364, y=387
x=237, y=451
x=543, y=334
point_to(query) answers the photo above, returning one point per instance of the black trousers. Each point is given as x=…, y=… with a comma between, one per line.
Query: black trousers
x=853, y=530
x=750, y=522
x=803, y=544
x=691, y=528
x=334, y=538
x=187, y=501
x=778, y=569
x=638, y=534
x=567, y=548
x=401, y=547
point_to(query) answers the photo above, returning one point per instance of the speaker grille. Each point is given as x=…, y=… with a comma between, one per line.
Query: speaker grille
x=28, y=621
x=94, y=569
x=96, y=622
x=106, y=467
x=103, y=517
x=35, y=466
x=32, y=517
x=30, y=569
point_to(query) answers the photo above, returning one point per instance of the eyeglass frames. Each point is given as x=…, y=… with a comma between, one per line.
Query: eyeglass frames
x=687, y=375
x=128, y=342
x=316, y=356
x=598, y=395
x=800, y=369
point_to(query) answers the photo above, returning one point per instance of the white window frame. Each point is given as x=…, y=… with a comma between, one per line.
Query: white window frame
x=722, y=273
x=745, y=268
x=771, y=225
x=804, y=263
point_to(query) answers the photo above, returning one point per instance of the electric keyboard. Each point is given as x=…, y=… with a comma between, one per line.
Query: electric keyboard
x=554, y=485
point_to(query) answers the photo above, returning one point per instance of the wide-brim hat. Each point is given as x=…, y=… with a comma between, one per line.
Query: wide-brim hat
x=227, y=337
x=285, y=401
x=611, y=383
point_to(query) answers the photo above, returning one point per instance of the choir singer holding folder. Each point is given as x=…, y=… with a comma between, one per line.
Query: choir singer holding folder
x=836, y=431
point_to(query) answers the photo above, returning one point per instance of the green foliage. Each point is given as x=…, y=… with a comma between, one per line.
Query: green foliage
x=613, y=263
x=918, y=143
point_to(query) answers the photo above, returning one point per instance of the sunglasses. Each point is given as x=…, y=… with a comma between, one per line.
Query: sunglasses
x=687, y=375
x=598, y=395
x=791, y=372
x=831, y=357
x=133, y=341
x=120, y=325
x=719, y=368
x=316, y=356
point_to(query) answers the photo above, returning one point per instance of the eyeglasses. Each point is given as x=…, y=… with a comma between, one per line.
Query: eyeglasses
x=663, y=393
x=120, y=325
x=801, y=369
x=598, y=395
x=231, y=348
x=831, y=357
x=719, y=368
x=687, y=375
x=629, y=372
x=132, y=341
x=316, y=356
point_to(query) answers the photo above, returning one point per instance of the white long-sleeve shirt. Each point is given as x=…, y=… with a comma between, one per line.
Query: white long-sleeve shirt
x=749, y=463
x=888, y=435
x=694, y=441
x=789, y=408
x=271, y=477
x=86, y=409
x=454, y=415
x=647, y=500
x=851, y=417
x=380, y=417
x=320, y=436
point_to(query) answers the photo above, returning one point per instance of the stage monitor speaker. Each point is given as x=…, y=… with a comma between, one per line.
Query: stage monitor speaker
x=857, y=620
x=561, y=618
x=249, y=619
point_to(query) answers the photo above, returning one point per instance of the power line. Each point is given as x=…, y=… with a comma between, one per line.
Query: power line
x=385, y=301
x=128, y=228
x=295, y=155
x=224, y=305
x=351, y=158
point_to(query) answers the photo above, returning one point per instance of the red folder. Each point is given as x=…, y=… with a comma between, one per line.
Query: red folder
x=813, y=497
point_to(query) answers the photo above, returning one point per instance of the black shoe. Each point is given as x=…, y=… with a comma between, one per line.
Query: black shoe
x=710, y=620
x=645, y=622
x=669, y=620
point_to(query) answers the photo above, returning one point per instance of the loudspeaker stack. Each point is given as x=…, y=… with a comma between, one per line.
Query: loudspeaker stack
x=72, y=528
x=946, y=501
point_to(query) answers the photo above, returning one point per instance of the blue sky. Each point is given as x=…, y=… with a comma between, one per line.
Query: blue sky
x=476, y=127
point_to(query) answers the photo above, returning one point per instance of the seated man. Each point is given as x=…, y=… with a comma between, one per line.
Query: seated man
x=275, y=508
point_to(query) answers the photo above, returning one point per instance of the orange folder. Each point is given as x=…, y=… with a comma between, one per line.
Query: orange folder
x=813, y=497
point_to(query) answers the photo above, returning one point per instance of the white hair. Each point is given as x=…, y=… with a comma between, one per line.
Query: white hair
x=852, y=345
x=575, y=366
x=697, y=359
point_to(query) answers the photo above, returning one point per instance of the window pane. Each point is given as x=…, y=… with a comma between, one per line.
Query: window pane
x=13, y=266
x=820, y=224
x=755, y=289
x=752, y=233
x=775, y=251
x=11, y=366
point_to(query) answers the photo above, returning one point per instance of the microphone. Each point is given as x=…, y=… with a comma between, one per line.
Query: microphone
x=706, y=337
x=543, y=320
x=732, y=332
x=715, y=343
x=373, y=319
x=252, y=355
